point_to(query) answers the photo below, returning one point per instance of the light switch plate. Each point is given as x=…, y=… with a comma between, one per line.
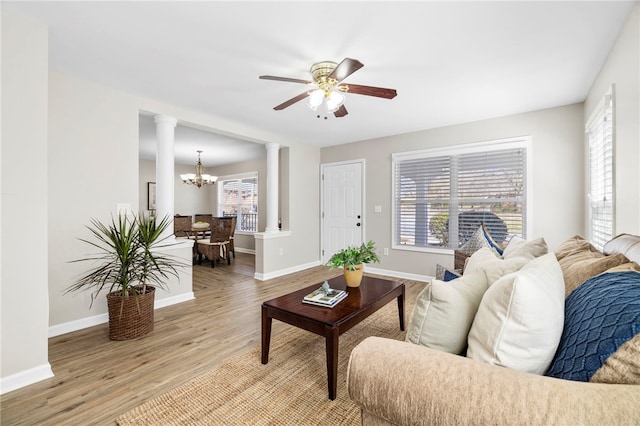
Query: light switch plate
x=378, y=209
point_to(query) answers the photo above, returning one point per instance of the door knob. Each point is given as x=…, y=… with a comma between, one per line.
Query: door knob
x=358, y=224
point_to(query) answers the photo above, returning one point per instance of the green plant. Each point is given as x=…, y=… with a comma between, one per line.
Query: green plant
x=127, y=260
x=352, y=256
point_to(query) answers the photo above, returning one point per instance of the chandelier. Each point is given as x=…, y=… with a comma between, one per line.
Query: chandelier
x=198, y=179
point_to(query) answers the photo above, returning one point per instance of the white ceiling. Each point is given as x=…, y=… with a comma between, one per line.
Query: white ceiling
x=451, y=62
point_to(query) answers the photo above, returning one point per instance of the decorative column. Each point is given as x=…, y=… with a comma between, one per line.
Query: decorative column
x=272, y=187
x=165, y=168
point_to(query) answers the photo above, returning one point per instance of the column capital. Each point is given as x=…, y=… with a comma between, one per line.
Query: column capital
x=165, y=119
x=271, y=146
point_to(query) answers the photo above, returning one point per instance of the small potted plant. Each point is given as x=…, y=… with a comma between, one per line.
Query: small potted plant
x=351, y=259
x=130, y=267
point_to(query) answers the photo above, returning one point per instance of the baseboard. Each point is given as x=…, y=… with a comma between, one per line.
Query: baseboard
x=414, y=277
x=25, y=378
x=174, y=300
x=276, y=274
x=244, y=250
x=68, y=327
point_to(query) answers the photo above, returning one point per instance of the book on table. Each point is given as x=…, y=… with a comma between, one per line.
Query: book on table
x=323, y=297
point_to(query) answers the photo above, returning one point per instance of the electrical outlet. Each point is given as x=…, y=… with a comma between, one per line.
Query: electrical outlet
x=385, y=251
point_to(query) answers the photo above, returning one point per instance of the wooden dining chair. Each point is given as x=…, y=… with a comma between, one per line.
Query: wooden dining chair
x=217, y=247
x=181, y=226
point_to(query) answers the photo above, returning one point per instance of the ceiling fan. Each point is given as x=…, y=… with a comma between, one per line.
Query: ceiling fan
x=327, y=86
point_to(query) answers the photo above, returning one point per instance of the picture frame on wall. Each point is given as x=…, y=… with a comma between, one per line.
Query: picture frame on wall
x=151, y=195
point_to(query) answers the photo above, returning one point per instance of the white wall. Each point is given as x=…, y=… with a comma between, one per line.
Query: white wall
x=297, y=247
x=622, y=69
x=188, y=199
x=557, y=152
x=24, y=302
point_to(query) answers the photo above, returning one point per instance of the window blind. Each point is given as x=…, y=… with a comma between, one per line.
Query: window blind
x=601, y=173
x=239, y=197
x=442, y=197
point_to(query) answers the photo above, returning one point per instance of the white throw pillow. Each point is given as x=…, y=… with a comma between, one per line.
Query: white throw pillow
x=520, y=319
x=518, y=247
x=444, y=311
x=485, y=260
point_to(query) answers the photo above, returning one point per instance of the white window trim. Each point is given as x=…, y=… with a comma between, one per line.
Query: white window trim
x=608, y=97
x=484, y=146
x=236, y=176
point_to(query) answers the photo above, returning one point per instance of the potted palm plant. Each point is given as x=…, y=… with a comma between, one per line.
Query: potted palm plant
x=129, y=265
x=351, y=259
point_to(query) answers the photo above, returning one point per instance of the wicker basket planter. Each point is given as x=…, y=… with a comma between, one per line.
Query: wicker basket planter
x=130, y=317
x=128, y=260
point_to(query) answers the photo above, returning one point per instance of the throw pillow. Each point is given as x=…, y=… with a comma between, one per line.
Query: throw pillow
x=485, y=260
x=622, y=366
x=520, y=318
x=601, y=337
x=446, y=274
x=631, y=266
x=519, y=247
x=444, y=311
x=450, y=275
x=580, y=261
x=627, y=244
x=494, y=245
x=477, y=241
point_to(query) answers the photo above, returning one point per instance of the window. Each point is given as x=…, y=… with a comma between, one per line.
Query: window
x=441, y=196
x=600, y=131
x=238, y=196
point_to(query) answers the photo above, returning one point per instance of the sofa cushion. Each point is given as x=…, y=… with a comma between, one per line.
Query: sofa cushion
x=519, y=320
x=485, y=260
x=602, y=323
x=444, y=311
x=580, y=261
x=519, y=247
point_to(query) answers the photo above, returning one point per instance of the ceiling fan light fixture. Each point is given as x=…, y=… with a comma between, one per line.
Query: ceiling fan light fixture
x=334, y=101
x=315, y=99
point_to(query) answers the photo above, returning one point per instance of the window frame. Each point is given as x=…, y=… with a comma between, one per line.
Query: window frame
x=469, y=148
x=219, y=203
x=605, y=108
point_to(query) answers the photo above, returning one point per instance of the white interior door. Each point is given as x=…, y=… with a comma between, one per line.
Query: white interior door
x=342, y=207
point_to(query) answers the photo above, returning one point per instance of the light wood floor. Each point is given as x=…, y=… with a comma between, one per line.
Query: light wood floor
x=97, y=379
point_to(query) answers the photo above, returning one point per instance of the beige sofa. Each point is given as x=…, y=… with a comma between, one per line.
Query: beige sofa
x=401, y=383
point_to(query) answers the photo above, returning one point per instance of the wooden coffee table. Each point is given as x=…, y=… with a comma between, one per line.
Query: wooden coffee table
x=361, y=302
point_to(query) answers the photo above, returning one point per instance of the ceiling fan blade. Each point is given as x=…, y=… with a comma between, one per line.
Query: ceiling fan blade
x=341, y=112
x=379, y=92
x=291, y=101
x=292, y=80
x=345, y=68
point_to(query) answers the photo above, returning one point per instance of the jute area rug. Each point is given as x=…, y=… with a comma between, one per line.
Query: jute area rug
x=290, y=390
